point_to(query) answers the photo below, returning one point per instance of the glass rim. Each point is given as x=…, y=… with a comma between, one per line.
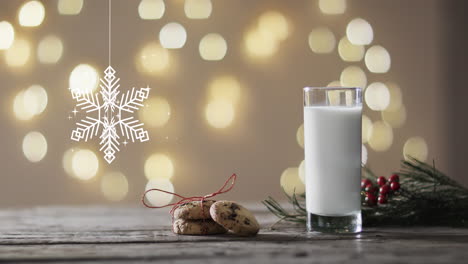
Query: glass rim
x=332, y=88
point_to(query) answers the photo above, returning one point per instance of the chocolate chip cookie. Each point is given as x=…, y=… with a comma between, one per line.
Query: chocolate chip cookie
x=197, y=227
x=235, y=218
x=193, y=210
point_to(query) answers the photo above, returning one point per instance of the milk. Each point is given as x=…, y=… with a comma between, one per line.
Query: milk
x=332, y=143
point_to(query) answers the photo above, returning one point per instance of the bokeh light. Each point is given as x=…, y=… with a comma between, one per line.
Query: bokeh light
x=353, y=76
x=395, y=118
x=359, y=32
x=67, y=161
x=332, y=7
x=366, y=128
x=334, y=84
x=156, y=198
x=31, y=14
x=30, y=102
x=322, y=40
x=377, y=59
x=219, y=113
x=84, y=78
x=156, y=113
x=69, y=7
x=273, y=25
x=302, y=171
x=259, y=45
x=151, y=9
x=198, y=9
x=212, y=47
x=381, y=138
x=300, y=136
x=225, y=87
x=19, y=53
x=114, y=186
x=173, y=36
x=364, y=155
x=49, y=50
x=377, y=96
x=34, y=146
x=396, y=98
x=349, y=51
x=35, y=99
x=159, y=166
x=291, y=183
x=7, y=35
x=153, y=59
x=416, y=147
x=85, y=164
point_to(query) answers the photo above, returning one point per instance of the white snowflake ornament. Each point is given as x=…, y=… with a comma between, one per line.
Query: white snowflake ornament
x=110, y=115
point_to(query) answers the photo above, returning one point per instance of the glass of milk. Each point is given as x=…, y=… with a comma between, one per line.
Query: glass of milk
x=332, y=144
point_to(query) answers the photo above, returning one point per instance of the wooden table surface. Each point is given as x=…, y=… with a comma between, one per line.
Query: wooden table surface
x=135, y=235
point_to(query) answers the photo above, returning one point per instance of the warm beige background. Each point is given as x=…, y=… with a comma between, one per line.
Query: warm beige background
x=261, y=143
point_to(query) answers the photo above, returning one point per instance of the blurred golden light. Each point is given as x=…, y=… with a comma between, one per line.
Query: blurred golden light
x=359, y=32
x=322, y=40
x=332, y=7
x=395, y=118
x=19, y=53
x=84, y=78
x=381, y=137
x=260, y=45
x=291, y=182
x=159, y=166
x=350, y=52
x=273, y=25
x=159, y=198
x=212, y=47
x=377, y=59
x=219, y=113
x=69, y=7
x=396, y=98
x=156, y=113
x=31, y=14
x=7, y=35
x=34, y=146
x=300, y=136
x=19, y=108
x=416, y=147
x=114, y=186
x=334, y=84
x=67, y=161
x=151, y=9
x=366, y=129
x=198, y=9
x=153, y=59
x=50, y=50
x=85, y=164
x=172, y=36
x=353, y=76
x=377, y=96
x=302, y=171
x=225, y=87
x=35, y=100
x=364, y=155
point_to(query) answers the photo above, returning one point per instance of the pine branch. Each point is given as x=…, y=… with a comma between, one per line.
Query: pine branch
x=427, y=197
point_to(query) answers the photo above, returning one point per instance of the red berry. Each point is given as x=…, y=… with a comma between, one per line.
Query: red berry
x=384, y=190
x=382, y=199
x=365, y=182
x=394, y=178
x=381, y=181
x=370, y=189
x=370, y=199
x=395, y=186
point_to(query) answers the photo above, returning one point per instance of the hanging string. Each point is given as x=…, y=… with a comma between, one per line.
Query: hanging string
x=227, y=186
x=110, y=29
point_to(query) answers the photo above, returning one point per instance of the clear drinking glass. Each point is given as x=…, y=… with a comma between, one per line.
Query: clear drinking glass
x=332, y=144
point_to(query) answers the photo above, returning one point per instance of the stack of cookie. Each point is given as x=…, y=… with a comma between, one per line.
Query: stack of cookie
x=214, y=218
